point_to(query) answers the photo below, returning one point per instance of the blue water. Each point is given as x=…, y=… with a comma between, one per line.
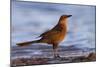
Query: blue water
x=30, y=19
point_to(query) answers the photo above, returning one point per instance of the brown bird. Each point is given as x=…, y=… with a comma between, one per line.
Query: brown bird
x=53, y=36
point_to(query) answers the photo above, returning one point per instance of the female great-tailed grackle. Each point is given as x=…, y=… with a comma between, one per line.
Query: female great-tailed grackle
x=53, y=36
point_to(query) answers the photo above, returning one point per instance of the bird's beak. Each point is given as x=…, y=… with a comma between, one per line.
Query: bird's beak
x=69, y=15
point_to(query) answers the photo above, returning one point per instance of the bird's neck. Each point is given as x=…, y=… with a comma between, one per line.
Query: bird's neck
x=63, y=22
x=61, y=25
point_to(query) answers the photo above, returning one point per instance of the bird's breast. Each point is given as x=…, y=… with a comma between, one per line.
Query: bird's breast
x=60, y=35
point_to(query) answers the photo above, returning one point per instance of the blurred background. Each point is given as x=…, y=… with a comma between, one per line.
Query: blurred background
x=30, y=19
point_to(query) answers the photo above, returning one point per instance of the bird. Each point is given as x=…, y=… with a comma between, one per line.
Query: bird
x=53, y=36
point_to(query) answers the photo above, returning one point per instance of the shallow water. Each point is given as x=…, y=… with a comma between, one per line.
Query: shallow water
x=45, y=51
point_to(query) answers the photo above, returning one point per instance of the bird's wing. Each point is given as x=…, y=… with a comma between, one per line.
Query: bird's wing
x=43, y=34
x=51, y=33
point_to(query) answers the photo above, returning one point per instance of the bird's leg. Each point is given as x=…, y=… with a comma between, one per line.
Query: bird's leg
x=55, y=51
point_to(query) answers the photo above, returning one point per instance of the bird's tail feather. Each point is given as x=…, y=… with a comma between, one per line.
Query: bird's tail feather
x=27, y=43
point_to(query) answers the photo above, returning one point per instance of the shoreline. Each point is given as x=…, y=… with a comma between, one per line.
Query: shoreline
x=42, y=61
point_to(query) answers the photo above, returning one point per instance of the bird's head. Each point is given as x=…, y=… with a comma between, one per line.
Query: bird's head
x=63, y=19
x=66, y=16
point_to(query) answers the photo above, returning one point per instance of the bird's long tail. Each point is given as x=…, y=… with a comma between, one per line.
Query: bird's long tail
x=27, y=43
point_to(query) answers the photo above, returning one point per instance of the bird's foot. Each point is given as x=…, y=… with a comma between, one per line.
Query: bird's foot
x=57, y=57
